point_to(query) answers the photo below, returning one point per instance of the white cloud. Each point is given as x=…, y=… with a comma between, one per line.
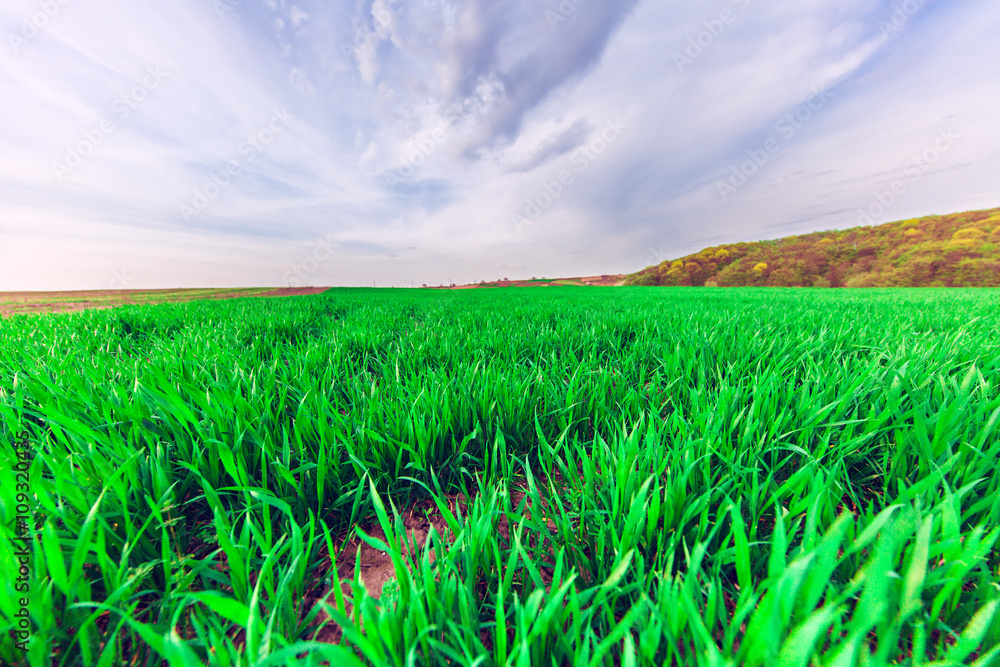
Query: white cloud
x=481, y=105
x=297, y=16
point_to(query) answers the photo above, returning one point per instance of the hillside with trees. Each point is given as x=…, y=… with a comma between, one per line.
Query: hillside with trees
x=960, y=250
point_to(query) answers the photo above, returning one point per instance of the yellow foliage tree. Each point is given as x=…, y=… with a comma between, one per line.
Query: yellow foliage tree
x=968, y=237
x=969, y=233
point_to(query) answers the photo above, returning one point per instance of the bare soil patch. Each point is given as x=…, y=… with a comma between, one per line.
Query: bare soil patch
x=375, y=567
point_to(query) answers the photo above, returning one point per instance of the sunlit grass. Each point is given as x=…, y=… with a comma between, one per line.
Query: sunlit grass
x=653, y=477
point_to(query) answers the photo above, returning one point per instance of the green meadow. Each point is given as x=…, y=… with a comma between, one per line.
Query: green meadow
x=598, y=476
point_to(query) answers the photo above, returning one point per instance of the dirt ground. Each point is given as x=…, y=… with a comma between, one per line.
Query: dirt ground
x=27, y=303
x=375, y=566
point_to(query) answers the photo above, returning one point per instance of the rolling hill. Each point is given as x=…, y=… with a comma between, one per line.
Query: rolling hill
x=959, y=250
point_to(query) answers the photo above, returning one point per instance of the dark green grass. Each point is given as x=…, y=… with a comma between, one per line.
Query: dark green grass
x=713, y=477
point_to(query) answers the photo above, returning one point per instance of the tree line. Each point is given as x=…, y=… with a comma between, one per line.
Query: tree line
x=959, y=250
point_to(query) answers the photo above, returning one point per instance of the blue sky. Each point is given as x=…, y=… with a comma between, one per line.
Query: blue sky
x=269, y=142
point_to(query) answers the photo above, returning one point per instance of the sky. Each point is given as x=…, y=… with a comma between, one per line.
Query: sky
x=228, y=143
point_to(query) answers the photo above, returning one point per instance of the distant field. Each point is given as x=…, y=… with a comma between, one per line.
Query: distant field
x=584, y=281
x=14, y=303
x=605, y=476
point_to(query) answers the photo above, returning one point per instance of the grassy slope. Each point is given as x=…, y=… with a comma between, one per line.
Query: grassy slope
x=959, y=250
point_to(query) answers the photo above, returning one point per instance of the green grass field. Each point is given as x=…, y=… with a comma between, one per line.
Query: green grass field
x=606, y=477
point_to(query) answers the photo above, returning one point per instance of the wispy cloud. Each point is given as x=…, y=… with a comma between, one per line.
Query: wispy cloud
x=413, y=126
x=557, y=144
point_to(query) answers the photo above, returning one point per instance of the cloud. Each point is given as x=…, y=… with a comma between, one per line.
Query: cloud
x=554, y=146
x=297, y=16
x=417, y=123
x=446, y=56
x=574, y=48
x=300, y=79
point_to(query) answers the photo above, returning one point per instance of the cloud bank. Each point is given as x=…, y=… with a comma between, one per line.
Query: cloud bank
x=242, y=142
